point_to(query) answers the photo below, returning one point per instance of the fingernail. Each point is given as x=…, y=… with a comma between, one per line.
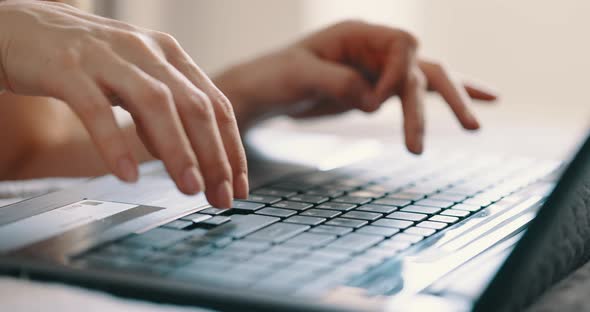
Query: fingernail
x=127, y=169
x=473, y=121
x=224, y=194
x=242, y=187
x=192, y=180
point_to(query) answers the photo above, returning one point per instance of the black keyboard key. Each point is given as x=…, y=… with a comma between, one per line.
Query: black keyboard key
x=325, y=192
x=213, y=211
x=378, y=230
x=305, y=220
x=455, y=213
x=409, y=216
x=321, y=213
x=215, y=221
x=432, y=225
x=391, y=202
x=355, y=242
x=248, y=245
x=178, y=224
x=263, y=199
x=467, y=207
x=399, y=224
x=352, y=200
x=352, y=223
x=310, y=240
x=445, y=219
x=419, y=231
x=274, y=192
x=407, y=196
x=435, y=203
x=363, y=215
x=278, y=232
x=246, y=206
x=242, y=225
x=336, y=206
x=377, y=208
x=286, y=204
x=196, y=217
x=448, y=197
x=421, y=209
x=276, y=212
x=157, y=238
x=311, y=199
x=328, y=229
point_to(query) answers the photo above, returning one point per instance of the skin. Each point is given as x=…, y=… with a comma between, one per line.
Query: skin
x=190, y=122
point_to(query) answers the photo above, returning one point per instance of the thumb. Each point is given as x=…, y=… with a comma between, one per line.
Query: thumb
x=340, y=83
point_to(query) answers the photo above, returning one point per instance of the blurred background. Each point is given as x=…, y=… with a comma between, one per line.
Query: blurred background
x=535, y=53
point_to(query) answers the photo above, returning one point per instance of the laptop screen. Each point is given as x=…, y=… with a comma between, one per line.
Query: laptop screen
x=555, y=243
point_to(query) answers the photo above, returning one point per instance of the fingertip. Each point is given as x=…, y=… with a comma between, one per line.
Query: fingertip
x=241, y=186
x=127, y=169
x=192, y=182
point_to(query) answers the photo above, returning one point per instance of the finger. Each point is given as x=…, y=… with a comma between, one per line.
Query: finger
x=150, y=101
x=95, y=112
x=224, y=120
x=454, y=94
x=479, y=92
x=340, y=83
x=412, y=96
x=400, y=57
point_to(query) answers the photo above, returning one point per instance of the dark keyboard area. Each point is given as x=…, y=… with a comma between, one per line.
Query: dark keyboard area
x=308, y=233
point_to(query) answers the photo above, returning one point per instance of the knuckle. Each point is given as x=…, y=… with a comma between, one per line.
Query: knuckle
x=69, y=58
x=166, y=40
x=134, y=40
x=222, y=172
x=409, y=39
x=197, y=105
x=224, y=108
x=156, y=96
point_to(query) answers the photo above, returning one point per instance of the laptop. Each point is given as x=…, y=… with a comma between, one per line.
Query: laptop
x=444, y=232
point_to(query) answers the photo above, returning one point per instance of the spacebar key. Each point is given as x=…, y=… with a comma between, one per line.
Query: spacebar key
x=242, y=225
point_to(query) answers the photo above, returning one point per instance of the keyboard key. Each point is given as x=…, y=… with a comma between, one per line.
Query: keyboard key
x=432, y=225
x=353, y=223
x=310, y=240
x=242, y=225
x=276, y=212
x=395, y=244
x=215, y=221
x=421, y=209
x=322, y=213
x=365, y=193
x=391, y=202
x=249, y=245
x=311, y=199
x=325, y=192
x=363, y=215
x=377, y=208
x=420, y=231
x=475, y=201
x=455, y=213
x=409, y=216
x=378, y=230
x=406, y=238
x=328, y=229
x=445, y=219
x=213, y=211
x=292, y=205
x=286, y=252
x=263, y=199
x=467, y=207
x=274, y=192
x=157, y=238
x=278, y=232
x=178, y=224
x=336, y=206
x=330, y=258
x=352, y=200
x=246, y=206
x=398, y=224
x=447, y=197
x=355, y=242
x=406, y=195
x=305, y=220
x=196, y=217
x=434, y=203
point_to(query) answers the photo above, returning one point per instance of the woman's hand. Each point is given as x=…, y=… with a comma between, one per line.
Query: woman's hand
x=351, y=65
x=91, y=63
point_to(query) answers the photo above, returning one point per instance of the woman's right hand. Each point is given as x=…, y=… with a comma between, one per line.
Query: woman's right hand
x=92, y=63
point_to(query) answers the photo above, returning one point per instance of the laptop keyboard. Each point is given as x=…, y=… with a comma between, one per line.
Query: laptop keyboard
x=307, y=233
